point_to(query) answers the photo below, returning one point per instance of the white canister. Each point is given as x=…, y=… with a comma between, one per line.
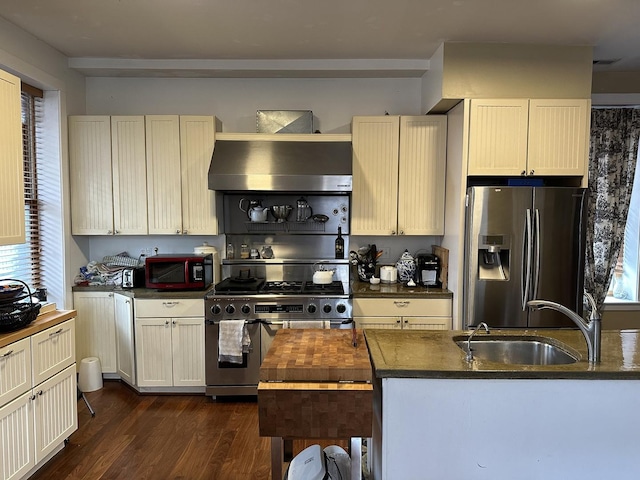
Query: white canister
x=388, y=274
x=206, y=249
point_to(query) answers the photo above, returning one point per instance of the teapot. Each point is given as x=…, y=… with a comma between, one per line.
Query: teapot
x=303, y=210
x=322, y=276
x=254, y=210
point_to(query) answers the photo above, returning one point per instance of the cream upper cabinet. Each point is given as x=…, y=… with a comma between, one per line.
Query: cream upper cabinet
x=198, y=202
x=522, y=137
x=398, y=175
x=107, y=175
x=90, y=175
x=164, y=187
x=179, y=152
x=129, y=175
x=12, y=178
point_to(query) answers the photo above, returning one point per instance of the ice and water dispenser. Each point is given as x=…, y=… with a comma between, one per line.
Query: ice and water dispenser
x=493, y=257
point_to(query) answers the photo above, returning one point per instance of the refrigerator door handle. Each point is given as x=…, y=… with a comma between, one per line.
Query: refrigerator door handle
x=536, y=275
x=526, y=260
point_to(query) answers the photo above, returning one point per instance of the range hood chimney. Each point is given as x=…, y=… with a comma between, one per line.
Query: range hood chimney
x=281, y=165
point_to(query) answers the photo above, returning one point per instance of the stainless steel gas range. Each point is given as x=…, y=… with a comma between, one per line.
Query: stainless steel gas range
x=265, y=307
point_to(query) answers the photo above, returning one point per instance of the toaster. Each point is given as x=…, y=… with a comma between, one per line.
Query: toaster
x=133, y=277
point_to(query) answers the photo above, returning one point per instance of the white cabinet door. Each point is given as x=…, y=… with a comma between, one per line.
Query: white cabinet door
x=129, y=175
x=154, y=352
x=498, y=132
x=125, y=354
x=399, y=168
x=387, y=323
x=90, y=175
x=422, y=172
x=53, y=349
x=198, y=202
x=164, y=190
x=187, y=343
x=558, y=137
x=11, y=165
x=56, y=411
x=17, y=438
x=95, y=328
x=426, y=323
x=374, y=203
x=15, y=369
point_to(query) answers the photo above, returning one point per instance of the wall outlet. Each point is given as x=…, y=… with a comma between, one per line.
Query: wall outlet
x=386, y=253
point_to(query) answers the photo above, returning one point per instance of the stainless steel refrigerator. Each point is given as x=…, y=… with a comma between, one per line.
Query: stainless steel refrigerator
x=523, y=243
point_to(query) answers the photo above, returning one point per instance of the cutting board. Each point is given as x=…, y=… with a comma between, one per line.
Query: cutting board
x=443, y=255
x=316, y=355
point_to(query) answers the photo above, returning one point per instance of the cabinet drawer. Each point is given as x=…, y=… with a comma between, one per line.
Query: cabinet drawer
x=15, y=370
x=184, y=307
x=389, y=307
x=54, y=349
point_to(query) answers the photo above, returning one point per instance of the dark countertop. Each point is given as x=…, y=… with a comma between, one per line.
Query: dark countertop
x=433, y=354
x=149, y=293
x=365, y=290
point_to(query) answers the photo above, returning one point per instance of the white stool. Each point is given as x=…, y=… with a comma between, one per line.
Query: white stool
x=90, y=378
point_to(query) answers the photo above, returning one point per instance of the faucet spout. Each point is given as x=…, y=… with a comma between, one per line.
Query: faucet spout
x=591, y=330
x=469, y=350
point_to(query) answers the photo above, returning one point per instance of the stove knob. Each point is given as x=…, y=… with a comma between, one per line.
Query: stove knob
x=216, y=309
x=326, y=308
x=246, y=309
x=341, y=308
x=230, y=309
x=311, y=308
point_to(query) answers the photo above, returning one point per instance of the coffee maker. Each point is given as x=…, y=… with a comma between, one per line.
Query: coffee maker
x=428, y=270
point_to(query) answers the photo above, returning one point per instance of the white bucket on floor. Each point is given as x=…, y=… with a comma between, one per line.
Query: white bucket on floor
x=90, y=378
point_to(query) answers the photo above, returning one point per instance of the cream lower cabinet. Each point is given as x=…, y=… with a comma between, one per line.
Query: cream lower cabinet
x=529, y=137
x=402, y=313
x=170, y=343
x=36, y=423
x=399, y=165
x=96, y=328
x=125, y=352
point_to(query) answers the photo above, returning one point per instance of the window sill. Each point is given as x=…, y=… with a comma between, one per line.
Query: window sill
x=615, y=304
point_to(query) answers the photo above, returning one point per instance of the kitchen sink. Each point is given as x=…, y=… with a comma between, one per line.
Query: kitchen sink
x=518, y=350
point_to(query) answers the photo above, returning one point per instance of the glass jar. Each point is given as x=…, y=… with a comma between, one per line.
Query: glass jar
x=230, y=251
x=244, y=251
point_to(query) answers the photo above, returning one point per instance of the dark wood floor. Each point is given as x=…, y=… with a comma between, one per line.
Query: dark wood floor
x=162, y=437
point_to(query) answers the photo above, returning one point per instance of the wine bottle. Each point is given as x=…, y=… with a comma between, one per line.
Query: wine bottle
x=339, y=244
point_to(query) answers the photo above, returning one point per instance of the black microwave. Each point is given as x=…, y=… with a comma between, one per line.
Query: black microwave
x=187, y=271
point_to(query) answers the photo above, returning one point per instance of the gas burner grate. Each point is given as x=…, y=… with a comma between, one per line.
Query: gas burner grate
x=333, y=288
x=281, y=287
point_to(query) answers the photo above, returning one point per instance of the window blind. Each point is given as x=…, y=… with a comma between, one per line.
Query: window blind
x=22, y=261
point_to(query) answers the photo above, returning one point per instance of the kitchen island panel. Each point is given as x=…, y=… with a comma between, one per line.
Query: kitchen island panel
x=506, y=428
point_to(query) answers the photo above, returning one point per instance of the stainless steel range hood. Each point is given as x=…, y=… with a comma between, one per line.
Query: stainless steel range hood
x=281, y=166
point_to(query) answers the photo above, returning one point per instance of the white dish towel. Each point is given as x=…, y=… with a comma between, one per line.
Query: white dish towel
x=306, y=324
x=233, y=340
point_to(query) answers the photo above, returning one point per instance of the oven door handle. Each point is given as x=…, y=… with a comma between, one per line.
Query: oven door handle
x=269, y=322
x=217, y=322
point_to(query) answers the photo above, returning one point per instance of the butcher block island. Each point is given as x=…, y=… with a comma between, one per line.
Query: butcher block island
x=314, y=384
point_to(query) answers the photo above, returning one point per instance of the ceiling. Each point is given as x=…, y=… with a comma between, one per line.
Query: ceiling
x=314, y=38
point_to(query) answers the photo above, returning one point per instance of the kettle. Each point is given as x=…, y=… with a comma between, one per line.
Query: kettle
x=254, y=209
x=303, y=210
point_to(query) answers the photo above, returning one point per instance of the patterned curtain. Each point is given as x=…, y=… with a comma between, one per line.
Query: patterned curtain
x=612, y=164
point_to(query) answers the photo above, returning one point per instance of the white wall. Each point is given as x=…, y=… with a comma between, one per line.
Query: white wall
x=235, y=101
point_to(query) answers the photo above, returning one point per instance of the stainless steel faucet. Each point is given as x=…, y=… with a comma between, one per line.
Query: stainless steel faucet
x=469, y=350
x=591, y=329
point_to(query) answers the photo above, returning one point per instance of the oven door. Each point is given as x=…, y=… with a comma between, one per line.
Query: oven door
x=225, y=378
